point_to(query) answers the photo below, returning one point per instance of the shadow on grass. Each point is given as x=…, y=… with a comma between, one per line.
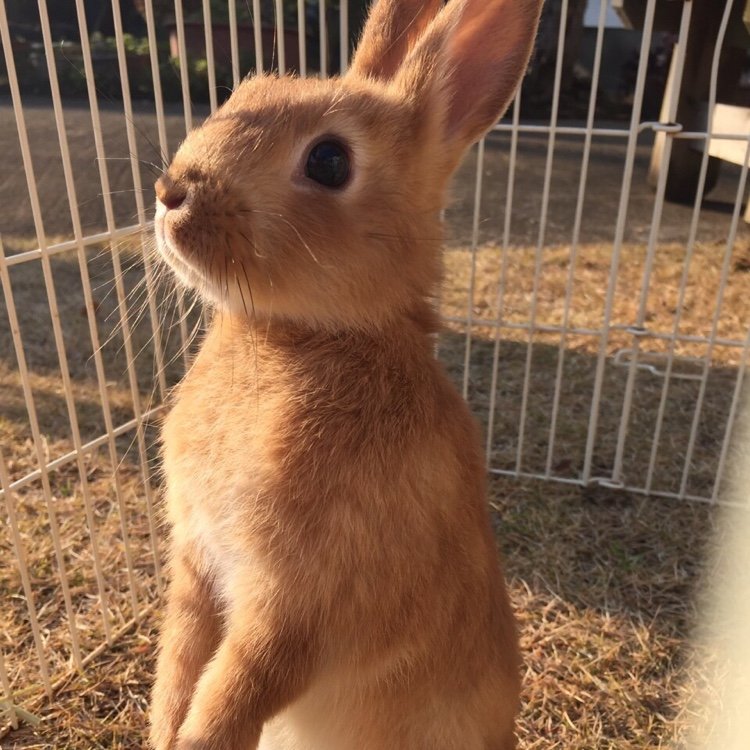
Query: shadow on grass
x=562, y=455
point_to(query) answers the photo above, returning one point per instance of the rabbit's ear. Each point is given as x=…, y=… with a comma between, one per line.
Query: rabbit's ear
x=467, y=65
x=392, y=28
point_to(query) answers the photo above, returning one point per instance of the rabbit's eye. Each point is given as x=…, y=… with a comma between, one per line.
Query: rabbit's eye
x=328, y=164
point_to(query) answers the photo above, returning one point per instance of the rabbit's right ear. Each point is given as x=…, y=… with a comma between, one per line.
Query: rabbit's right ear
x=392, y=29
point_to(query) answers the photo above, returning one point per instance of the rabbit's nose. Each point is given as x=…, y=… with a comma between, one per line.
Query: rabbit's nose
x=169, y=193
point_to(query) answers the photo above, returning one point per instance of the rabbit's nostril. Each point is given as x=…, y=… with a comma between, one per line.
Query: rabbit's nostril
x=173, y=200
x=169, y=194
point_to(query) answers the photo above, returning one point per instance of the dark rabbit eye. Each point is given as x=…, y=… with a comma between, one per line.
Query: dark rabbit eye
x=328, y=164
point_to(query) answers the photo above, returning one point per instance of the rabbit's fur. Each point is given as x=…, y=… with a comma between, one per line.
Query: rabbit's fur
x=334, y=577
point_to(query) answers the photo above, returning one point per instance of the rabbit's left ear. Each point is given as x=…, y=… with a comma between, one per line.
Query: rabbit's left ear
x=465, y=68
x=392, y=28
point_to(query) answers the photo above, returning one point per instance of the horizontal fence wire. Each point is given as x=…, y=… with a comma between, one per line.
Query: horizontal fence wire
x=617, y=400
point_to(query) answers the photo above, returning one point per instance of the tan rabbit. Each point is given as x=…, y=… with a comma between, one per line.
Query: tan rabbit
x=335, y=582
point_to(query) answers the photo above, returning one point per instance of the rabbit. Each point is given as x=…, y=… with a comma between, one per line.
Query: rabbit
x=334, y=577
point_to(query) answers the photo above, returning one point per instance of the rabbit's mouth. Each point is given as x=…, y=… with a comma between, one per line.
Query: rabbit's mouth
x=199, y=267
x=174, y=222
x=179, y=261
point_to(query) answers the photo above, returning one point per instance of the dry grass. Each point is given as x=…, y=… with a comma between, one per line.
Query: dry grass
x=604, y=583
x=121, y=533
x=589, y=281
x=605, y=588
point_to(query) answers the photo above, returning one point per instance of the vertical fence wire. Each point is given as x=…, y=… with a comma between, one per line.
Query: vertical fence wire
x=182, y=62
x=577, y=222
x=135, y=162
x=539, y=254
x=234, y=42
x=258, y=37
x=503, y=277
x=280, y=41
x=478, y=182
x=682, y=292
x=344, y=36
x=20, y=555
x=123, y=321
x=618, y=241
x=692, y=237
x=90, y=315
x=150, y=291
x=302, y=37
x=153, y=54
x=726, y=267
x=323, y=37
x=162, y=132
x=210, y=64
x=656, y=217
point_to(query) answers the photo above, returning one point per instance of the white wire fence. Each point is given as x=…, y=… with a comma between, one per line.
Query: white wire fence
x=685, y=452
x=595, y=328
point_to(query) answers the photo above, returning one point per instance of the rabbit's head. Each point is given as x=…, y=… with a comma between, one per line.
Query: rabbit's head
x=319, y=200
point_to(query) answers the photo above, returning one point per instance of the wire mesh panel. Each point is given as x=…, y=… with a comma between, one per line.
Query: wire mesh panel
x=91, y=340
x=83, y=371
x=596, y=327
x=604, y=334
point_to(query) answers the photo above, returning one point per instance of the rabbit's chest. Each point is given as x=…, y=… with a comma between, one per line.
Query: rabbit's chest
x=215, y=470
x=217, y=461
x=211, y=454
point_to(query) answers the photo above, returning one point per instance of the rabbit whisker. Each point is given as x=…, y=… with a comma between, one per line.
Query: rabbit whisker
x=294, y=229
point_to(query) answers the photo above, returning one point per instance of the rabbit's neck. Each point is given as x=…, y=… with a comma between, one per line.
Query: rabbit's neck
x=296, y=341
x=289, y=360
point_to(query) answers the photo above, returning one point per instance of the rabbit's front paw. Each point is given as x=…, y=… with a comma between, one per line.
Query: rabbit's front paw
x=162, y=736
x=196, y=743
x=236, y=739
